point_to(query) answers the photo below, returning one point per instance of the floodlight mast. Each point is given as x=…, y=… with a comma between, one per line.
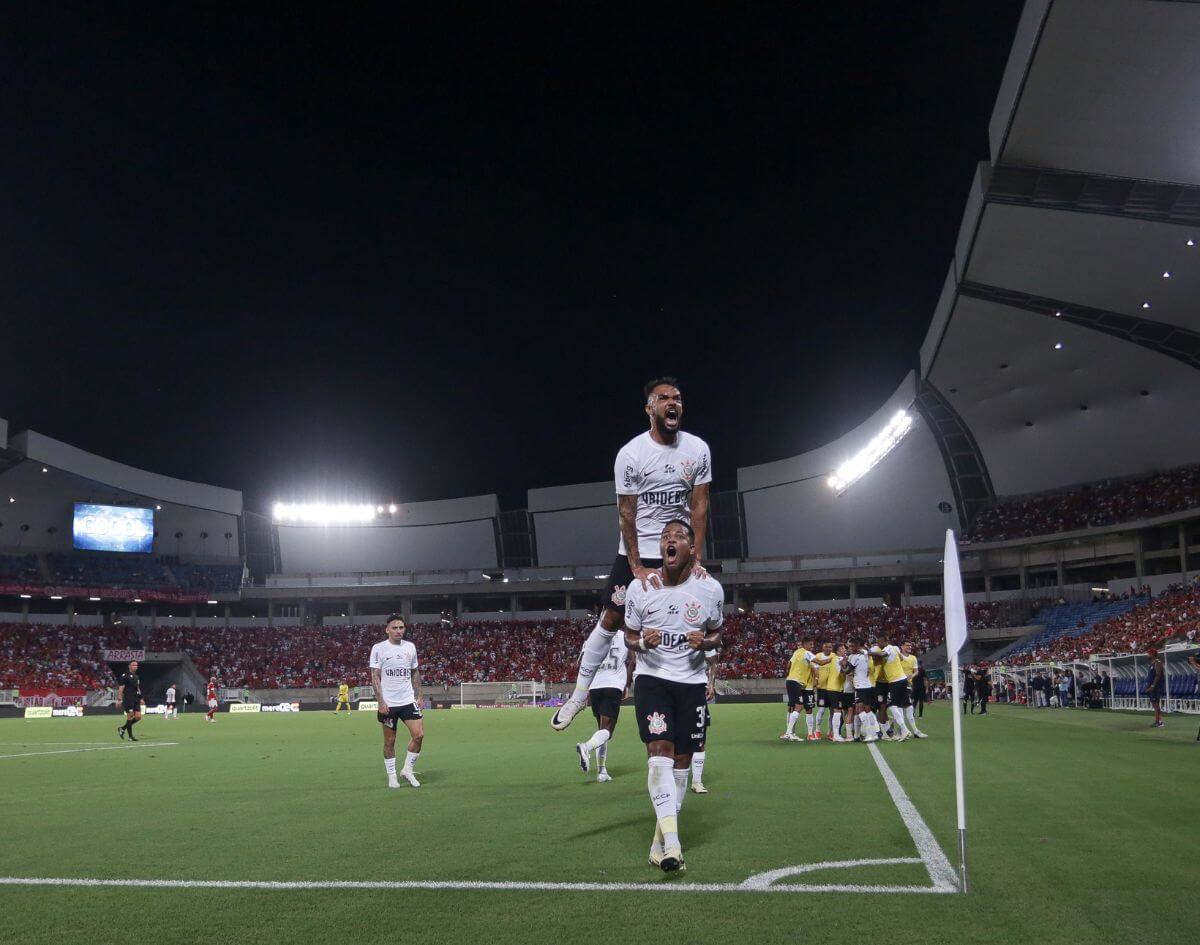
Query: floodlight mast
x=872, y=454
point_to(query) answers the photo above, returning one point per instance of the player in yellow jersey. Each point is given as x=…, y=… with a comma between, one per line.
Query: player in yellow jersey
x=830, y=680
x=343, y=698
x=801, y=686
x=909, y=662
x=892, y=671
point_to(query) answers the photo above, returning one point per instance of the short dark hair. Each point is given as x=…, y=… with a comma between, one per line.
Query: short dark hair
x=392, y=617
x=678, y=521
x=658, y=382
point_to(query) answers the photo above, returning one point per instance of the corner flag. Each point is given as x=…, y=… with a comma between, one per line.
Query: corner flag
x=956, y=635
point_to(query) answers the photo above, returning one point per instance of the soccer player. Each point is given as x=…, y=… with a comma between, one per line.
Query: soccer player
x=671, y=627
x=982, y=688
x=700, y=755
x=801, y=691
x=892, y=671
x=171, y=711
x=866, y=726
x=1156, y=688
x=662, y=475
x=909, y=661
x=610, y=684
x=211, y=699
x=847, y=670
x=397, y=682
x=129, y=694
x=830, y=681
x=343, y=699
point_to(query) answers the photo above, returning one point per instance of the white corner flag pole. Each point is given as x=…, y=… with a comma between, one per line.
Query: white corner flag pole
x=956, y=635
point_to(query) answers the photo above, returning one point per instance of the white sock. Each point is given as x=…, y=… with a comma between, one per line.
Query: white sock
x=410, y=759
x=661, y=785
x=868, y=725
x=897, y=715
x=599, y=642
x=596, y=741
x=810, y=723
x=698, y=768
x=792, y=719
x=681, y=779
x=820, y=716
x=389, y=765
x=910, y=718
x=602, y=755
x=836, y=729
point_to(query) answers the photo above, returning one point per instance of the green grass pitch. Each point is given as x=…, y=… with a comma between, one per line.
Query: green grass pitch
x=1082, y=828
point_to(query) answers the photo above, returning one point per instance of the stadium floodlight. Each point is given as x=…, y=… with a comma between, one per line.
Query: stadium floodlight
x=392, y=509
x=870, y=455
x=323, y=513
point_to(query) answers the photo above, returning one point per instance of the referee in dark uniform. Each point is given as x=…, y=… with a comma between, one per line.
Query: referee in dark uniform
x=129, y=694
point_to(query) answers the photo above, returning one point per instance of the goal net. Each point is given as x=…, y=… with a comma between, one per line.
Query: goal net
x=507, y=692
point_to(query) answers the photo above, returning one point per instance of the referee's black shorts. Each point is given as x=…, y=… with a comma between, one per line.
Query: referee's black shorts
x=620, y=575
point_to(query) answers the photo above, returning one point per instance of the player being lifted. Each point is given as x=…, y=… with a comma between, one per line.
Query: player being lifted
x=343, y=699
x=662, y=475
x=397, y=682
x=610, y=685
x=671, y=626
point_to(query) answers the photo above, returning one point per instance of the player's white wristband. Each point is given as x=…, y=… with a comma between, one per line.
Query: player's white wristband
x=642, y=644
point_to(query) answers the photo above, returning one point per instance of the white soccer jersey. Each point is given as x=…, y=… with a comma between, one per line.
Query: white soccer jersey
x=395, y=662
x=171, y=694
x=696, y=604
x=611, y=673
x=862, y=668
x=662, y=477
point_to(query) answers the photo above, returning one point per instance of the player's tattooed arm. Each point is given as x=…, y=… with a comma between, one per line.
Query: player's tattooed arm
x=699, y=506
x=378, y=687
x=416, y=687
x=627, y=513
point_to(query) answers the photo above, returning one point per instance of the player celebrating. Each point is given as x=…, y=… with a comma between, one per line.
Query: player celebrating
x=129, y=694
x=801, y=691
x=210, y=697
x=397, y=682
x=893, y=674
x=610, y=685
x=343, y=699
x=662, y=475
x=170, y=706
x=910, y=664
x=671, y=627
x=866, y=726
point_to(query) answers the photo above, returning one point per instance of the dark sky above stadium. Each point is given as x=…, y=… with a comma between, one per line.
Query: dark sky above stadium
x=407, y=253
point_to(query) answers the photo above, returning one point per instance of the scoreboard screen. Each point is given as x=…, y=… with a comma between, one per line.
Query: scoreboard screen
x=113, y=528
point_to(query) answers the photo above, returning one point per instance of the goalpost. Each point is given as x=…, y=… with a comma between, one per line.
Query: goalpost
x=510, y=692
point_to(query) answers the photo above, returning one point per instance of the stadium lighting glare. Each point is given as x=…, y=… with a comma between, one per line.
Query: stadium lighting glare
x=392, y=509
x=44, y=469
x=26, y=596
x=870, y=455
x=379, y=509
x=1058, y=314
x=212, y=602
x=322, y=513
x=1191, y=242
x=137, y=600
x=1145, y=305
x=93, y=598
x=1058, y=346
x=56, y=597
x=11, y=500
x=158, y=508
x=1166, y=275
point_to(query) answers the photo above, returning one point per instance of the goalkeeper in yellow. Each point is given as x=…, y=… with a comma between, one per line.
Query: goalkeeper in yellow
x=343, y=698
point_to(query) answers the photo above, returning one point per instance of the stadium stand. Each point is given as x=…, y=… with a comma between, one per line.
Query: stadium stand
x=104, y=570
x=1109, y=502
x=1125, y=626
x=38, y=656
x=306, y=657
x=20, y=568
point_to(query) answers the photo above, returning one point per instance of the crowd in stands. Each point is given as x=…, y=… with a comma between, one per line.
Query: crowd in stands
x=1175, y=614
x=40, y=656
x=1109, y=502
x=131, y=571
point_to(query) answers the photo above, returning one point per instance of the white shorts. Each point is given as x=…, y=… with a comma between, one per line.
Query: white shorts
x=212, y=703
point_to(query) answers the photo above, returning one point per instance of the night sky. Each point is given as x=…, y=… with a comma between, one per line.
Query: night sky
x=374, y=254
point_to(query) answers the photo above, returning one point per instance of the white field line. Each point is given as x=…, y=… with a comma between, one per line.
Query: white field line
x=941, y=873
x=72, y=751
x=475, y=884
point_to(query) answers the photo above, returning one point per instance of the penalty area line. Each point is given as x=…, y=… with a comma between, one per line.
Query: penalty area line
x=72, y=751
x=481, y=884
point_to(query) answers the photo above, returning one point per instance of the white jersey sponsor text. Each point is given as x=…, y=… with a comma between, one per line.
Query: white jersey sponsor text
x=662, y=477
x=696, y=604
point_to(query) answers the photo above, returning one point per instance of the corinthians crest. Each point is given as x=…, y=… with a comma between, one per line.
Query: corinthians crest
x=618, y=595
x=656, y=723
x=694, y=613
x=688, y=470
